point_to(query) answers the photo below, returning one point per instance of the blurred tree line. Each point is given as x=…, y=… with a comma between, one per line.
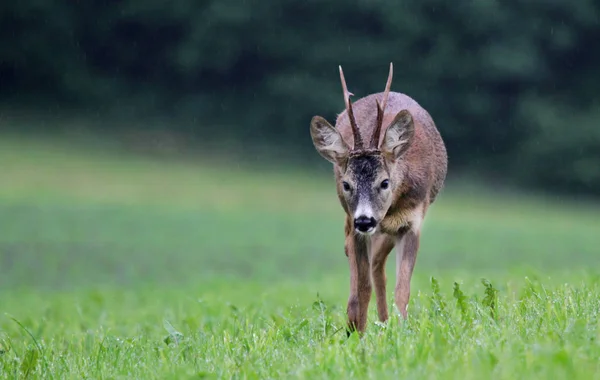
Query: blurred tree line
x=512, y=85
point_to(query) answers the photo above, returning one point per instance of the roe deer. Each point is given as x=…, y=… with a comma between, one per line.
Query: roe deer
x=385, y=185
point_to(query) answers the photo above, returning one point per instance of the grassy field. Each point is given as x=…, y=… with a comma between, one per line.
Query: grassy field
x=117, y=267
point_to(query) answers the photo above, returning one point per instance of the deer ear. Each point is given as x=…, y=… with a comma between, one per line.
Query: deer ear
x=328, y=141
x=399, y=134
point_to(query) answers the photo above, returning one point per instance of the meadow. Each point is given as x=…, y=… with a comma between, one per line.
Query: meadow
x=121, y=266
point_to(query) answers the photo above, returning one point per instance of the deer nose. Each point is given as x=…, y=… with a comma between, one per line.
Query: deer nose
x=364, y=223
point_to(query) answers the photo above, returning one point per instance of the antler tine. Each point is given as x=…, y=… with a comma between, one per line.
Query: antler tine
x=347, y=93
x=381, y=109
x=358, y=144
x=388, y=85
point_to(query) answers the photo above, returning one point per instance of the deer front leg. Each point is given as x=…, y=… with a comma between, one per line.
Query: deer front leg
x=360, y=282
x=381, y=247
x=407, y=248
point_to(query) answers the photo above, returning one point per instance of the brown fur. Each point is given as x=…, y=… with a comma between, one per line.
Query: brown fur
x=419, y=171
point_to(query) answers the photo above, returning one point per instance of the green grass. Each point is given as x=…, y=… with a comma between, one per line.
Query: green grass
x=115, y=266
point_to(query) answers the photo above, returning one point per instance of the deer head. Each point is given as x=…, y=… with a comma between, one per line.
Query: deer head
x=366, y=183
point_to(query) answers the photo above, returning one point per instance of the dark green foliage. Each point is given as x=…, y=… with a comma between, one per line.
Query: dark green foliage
x=491, y=297
x=437, y=301
x=29, y=362
x=511, y=84
x=462, y=302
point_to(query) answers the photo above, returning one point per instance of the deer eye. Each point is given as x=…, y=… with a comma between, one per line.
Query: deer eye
x=346, y=186
x=385, y=184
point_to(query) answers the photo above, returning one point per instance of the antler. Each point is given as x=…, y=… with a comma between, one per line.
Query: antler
x=381, y=109
x=377, y=132
x=358, y=144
